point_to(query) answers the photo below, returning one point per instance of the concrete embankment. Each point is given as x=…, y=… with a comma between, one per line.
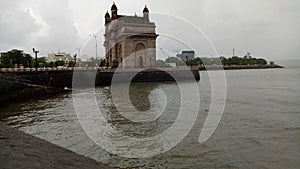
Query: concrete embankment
x=64, y=78
x=20, y=150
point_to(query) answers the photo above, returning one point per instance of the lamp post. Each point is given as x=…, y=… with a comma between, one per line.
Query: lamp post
x=36, y=53
x=75, y=59
x=187, y=60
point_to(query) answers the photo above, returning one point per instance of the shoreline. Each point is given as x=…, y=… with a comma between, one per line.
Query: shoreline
x=238, y=67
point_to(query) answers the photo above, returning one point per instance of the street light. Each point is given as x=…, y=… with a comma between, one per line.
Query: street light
x=75, y=59
x=36, y=53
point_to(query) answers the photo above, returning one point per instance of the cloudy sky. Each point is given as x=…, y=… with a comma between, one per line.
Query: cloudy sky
x=266, y=28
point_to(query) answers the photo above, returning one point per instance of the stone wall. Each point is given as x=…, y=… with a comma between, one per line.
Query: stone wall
x=20, y=150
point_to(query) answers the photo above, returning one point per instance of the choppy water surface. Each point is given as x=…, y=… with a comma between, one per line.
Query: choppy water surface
x=260, y=127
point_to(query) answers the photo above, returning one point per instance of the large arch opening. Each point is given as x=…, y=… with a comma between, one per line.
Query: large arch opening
x=140, y=55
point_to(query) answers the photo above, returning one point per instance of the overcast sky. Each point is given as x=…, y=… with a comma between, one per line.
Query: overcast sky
x=266, y=28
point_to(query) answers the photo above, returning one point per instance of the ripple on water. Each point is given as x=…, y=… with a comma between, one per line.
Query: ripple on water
x=260, y=127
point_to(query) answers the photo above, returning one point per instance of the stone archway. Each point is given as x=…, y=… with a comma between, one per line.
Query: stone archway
x=140, y=55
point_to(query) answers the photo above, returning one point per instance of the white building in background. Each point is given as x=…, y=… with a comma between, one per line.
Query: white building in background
x=60, y=56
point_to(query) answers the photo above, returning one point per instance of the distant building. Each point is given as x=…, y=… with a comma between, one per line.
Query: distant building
x=132, y=36
x=60, y=56
x=187, y=55
x=248, y=56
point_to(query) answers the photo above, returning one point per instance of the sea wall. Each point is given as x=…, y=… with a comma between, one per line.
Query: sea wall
x=64, y=78
x=17, y=86
x=15, y=89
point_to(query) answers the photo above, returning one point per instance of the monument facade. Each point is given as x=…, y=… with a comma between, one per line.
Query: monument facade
x=130, y=41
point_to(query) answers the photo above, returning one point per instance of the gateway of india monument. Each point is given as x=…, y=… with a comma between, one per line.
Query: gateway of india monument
x=130, y=41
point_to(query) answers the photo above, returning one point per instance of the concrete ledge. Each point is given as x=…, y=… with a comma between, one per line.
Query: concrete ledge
x=20, y=150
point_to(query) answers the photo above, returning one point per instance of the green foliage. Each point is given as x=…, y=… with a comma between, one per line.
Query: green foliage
x=227, y=61
x=243, y=61
x=41, y=62
x=59, y=63
x=160, y=63
x=15, y=58
x=50, y=64
x=261, y=61
x=194, y=62
x=175, y=60
x=71, y=64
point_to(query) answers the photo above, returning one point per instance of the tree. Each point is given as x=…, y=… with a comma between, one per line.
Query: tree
x=71, y=64
x=59, y=63
x=243, y=61
x=194, y=62
x=28, y=62
x=50, y=64
x=261, y=61
x=15, y=58
x=160, y=63
x=175, y=60
x=41, y=61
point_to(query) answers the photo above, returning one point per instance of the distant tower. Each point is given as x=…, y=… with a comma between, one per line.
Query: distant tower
x=248, y=55
x=233, y=54
x=114, y=12
x=107, y=18
x=146, y=12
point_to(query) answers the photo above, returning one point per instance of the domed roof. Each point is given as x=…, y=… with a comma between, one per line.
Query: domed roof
x=114, y=7
x=145, y=9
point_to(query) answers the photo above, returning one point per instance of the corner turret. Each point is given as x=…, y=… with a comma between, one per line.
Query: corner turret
x=146, y=12
x=107, y=18
x=114, y=11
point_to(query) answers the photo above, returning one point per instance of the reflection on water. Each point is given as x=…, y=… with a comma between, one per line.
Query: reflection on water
x=139, y=96
x=260, y=127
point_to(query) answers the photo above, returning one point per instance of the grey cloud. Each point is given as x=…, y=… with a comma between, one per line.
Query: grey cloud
x=268, y=28
x=62, y=33
x=16, y=25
